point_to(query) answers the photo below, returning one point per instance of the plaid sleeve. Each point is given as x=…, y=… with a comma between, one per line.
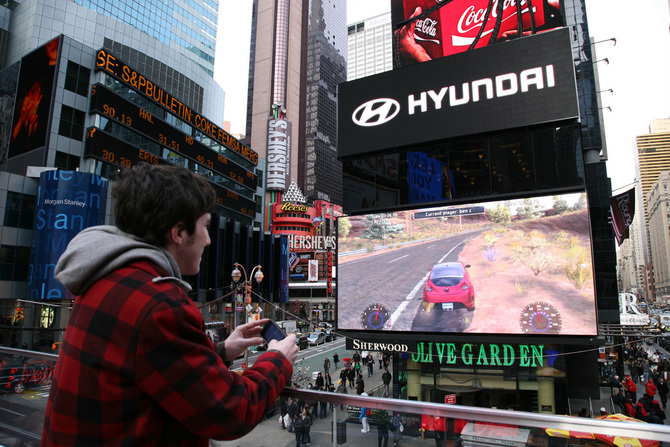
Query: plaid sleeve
x=178, y=368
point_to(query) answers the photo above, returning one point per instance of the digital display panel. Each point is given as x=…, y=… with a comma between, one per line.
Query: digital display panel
x=130, y=77
x=105, y=147
x=33, y=99
x=113, y=106
x=521, y=266
x=523, y=82
x=431, y=29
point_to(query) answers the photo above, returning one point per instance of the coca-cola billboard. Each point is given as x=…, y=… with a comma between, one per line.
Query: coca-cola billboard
x=430, y=29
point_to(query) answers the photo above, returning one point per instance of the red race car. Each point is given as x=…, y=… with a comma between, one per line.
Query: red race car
x=449, y=287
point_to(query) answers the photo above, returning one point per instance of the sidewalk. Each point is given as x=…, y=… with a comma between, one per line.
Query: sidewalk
x=270, y=434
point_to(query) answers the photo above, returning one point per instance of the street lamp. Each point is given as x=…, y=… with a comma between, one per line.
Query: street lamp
x=236, y=275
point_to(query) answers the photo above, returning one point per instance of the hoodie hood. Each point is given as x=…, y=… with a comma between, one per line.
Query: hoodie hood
x=98, y=251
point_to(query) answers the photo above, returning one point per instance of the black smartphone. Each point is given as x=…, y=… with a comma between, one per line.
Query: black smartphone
x=272, y=331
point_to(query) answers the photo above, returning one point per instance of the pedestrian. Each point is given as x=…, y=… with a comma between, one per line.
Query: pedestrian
x=326, y=365
x=363, y=418
x=299, y=429
x=386, y=379
x=650, y=388
x=319, y=383
x=360, y=386
x=397, y=429
x=663, y=391
x=344, y=374
x=336, y=360
x=351, y=376
x=631, y=388
x=656, y=415
x=380, y=358
x=323, y=408
x=292, y=414
x=134, y=335
x=603, y=411
x=383, y=421
x=327, y=381
x=331, y=389
x=306, y=427
x=371, y=364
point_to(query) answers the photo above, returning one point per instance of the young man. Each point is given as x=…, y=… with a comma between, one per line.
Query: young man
x=136, y=367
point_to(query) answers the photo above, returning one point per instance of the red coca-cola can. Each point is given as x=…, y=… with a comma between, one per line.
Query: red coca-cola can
x=427, y=32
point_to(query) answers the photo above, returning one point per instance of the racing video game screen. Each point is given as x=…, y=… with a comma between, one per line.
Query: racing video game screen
x=521, y=266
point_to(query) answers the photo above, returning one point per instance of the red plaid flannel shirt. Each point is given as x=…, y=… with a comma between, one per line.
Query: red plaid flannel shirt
x=137, y=369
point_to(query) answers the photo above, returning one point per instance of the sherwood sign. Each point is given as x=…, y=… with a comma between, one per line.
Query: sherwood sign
x=519, y=83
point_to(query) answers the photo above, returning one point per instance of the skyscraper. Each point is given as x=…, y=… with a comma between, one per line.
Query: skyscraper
x=298, y=57
x=185, y=26
x=370, y=47
x=653, y=156
x=88, y=88
x=653, y=152
x=659, y=239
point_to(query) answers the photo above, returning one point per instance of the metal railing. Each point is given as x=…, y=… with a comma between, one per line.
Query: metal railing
x=342, y=405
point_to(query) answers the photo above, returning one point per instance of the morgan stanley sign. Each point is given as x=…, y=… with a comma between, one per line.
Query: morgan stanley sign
x=523, y=82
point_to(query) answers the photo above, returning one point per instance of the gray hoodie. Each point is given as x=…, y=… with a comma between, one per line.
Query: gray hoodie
x=98, y=251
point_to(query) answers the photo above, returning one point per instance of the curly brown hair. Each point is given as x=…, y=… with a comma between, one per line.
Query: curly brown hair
x=151, y=199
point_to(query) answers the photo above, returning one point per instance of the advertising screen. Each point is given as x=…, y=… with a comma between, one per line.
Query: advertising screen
x=520, y=266
x=431, y=29
x=523, y=82
x=33, y=99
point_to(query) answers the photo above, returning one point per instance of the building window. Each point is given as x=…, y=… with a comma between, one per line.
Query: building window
x=71, y=123
x=14, y=263
x=76, y=78
x=67, y=162
x=20, y=210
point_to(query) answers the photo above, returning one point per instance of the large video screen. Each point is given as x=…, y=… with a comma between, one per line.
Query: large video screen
x=431, y=29
x=520, y=266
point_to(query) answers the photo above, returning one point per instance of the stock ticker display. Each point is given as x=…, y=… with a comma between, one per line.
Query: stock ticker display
x=164, y=140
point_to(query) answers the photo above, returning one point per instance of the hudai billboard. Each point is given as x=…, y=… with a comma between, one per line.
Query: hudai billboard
x=499, y=267
x=523, y=82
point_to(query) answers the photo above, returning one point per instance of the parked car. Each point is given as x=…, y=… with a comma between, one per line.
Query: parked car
x=316, y=338
x=301, y=341
x=329, y=334
x=17, y=375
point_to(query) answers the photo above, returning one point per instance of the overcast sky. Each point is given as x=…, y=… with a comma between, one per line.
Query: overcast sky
x=638, y=69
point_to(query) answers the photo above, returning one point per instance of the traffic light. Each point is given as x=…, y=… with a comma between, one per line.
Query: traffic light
x=19, y=313
x=55, y=346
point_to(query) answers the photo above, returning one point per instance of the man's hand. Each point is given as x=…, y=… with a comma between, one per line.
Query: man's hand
x=287, y=347
x=242, y=337
x=409, y=51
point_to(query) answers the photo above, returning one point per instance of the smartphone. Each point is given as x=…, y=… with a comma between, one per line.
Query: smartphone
x=271, y=331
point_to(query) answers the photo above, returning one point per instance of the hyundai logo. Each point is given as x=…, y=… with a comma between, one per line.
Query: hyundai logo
x=375, y=112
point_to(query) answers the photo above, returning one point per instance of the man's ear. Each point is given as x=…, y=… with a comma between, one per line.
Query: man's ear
x=176, y=233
